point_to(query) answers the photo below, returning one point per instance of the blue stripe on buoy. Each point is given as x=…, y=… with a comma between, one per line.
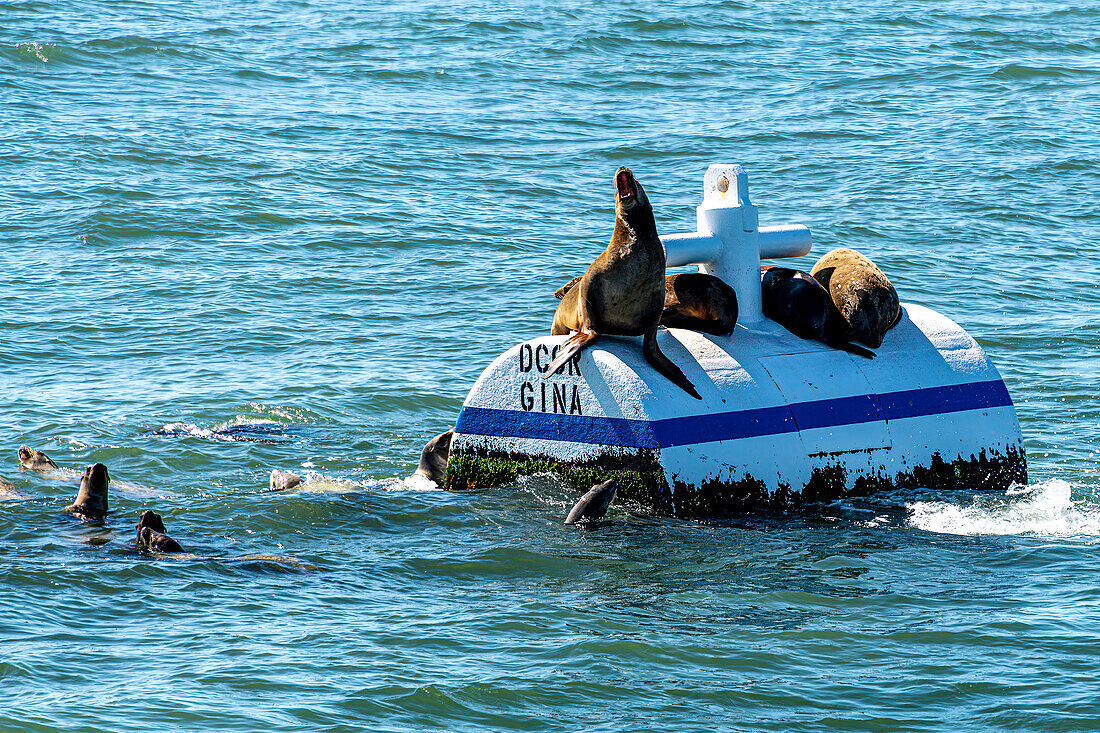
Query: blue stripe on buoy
x=735, y=425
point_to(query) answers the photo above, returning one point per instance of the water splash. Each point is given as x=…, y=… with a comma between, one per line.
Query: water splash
x=239, y=429
x=1046, y=508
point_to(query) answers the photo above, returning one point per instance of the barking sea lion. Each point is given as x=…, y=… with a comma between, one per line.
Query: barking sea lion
x=800, y=304
x=622, y=293
x=694, y=300
x=593, y=505
x=861, y=292
x=35, y=460
x=434, y=458
x=91, y=500
x=151, y=534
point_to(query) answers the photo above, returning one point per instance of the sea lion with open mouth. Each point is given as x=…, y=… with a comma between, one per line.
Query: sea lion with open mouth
x=622, y=293
x=35, y=460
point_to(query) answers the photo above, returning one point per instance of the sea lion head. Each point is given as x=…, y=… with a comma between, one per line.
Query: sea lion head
x=434, y=458
x=151, y=520
x=34, y=459
x=151, y=534
x=631, y=202
x=91, y=500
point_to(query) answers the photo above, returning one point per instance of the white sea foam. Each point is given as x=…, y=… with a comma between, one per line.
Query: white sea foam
x=1039, y=509
x=223, y=432
x=416, y=482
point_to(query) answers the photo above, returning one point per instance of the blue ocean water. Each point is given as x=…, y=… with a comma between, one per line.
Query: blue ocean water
x=291, y=233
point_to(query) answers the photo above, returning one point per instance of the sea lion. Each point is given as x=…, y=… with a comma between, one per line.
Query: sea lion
x=694, y=300
x=593, y=505
x=434, y=457
x=35, y=460
x=861, y=292
x=800, y=304
x=151, y=534
x=282, y=480
x=277, y=563
x=8, y=490
x=622, y=291
x=91, y=500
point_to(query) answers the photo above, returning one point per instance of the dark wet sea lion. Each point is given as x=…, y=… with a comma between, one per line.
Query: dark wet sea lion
x=151, y=534
x=35, y=460
x=593, y=505
x=434, y=457
x=282, y=480
x=861, y=292
x=699, y=302
x=91, y=500
x=694, y=300
x=622, y=291
x=800, y=304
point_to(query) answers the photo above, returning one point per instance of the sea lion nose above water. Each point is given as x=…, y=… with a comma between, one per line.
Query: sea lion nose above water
x=151, y=534
x=283, y=480
x=91, y=500
x=622, y=292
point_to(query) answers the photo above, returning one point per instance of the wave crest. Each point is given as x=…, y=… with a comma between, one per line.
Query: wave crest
x=1045, y=508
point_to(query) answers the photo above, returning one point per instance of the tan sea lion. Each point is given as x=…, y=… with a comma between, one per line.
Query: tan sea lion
x=35, y=460
x=800, y=304
x=622, y=292
x=593, y=505
x=694, y=300
x=151, y=534
x=434, y=457
x=8, y=490
x=91, y=500
x=277, y=563
x=282, y=480
x=861, y=292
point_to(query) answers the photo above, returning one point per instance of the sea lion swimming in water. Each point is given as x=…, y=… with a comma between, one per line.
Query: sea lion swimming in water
x=35, y=460
x=694, y=301
x=861, y=292
x=434, y=458
x=91, y=500
x=622, y=291
x=8, y=490
x=800, y=304
x=593, y=504
x=283, y=480
x=151, y=534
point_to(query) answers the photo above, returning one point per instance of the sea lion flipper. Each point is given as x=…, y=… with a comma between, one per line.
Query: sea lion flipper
x=652, y=353
x=560, y=292
x=575, y=343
